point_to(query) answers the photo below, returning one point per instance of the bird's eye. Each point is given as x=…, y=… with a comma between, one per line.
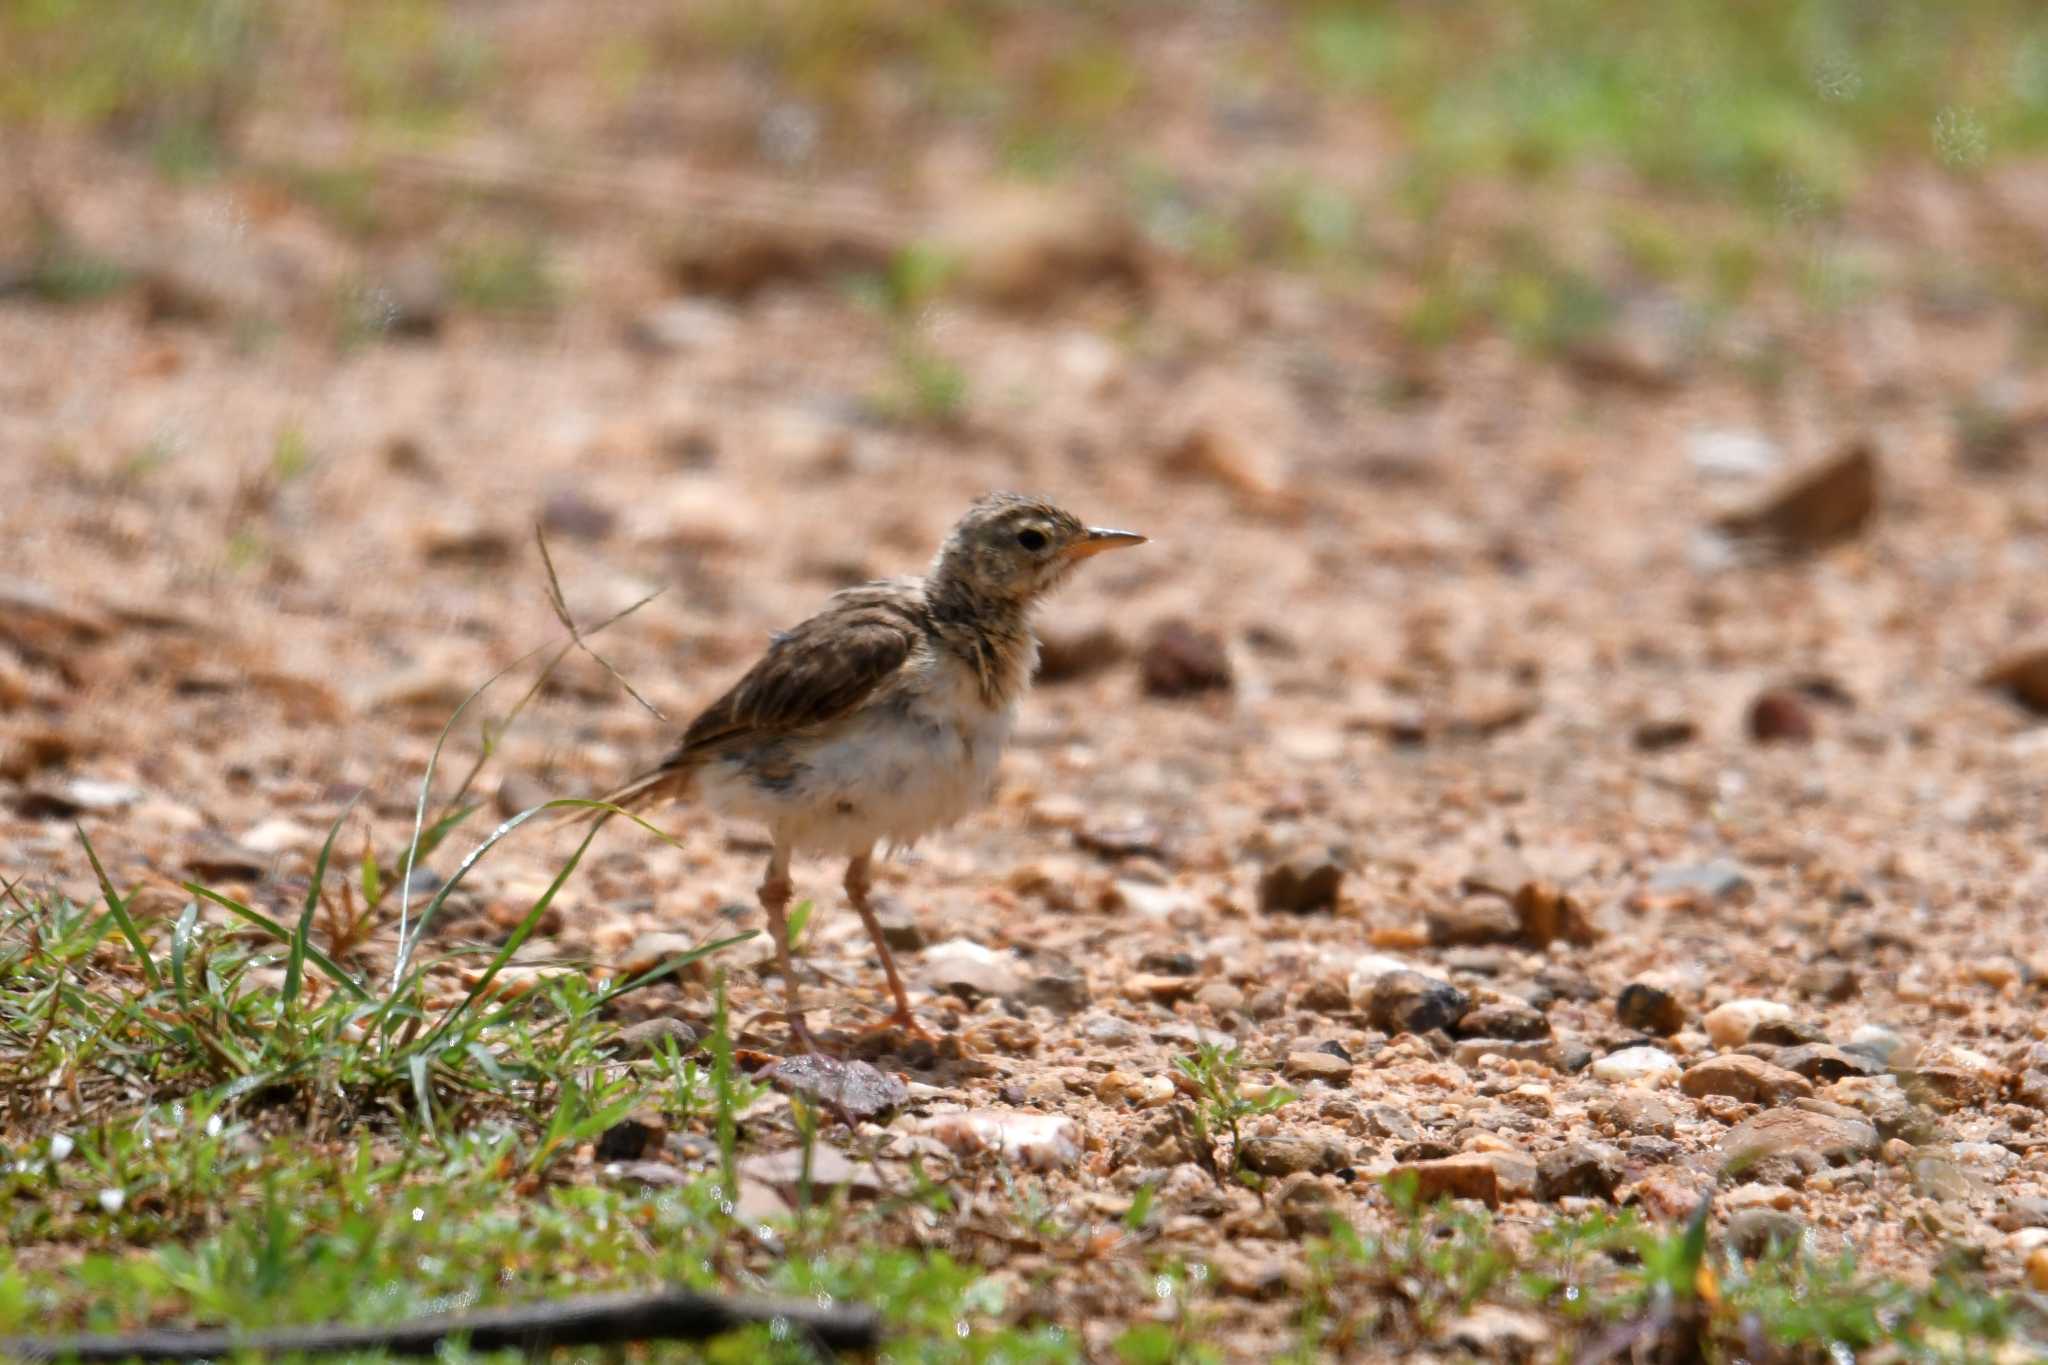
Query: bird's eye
x=1030, y=539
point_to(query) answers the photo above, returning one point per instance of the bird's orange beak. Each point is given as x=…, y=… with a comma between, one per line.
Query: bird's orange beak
x=1099, y=539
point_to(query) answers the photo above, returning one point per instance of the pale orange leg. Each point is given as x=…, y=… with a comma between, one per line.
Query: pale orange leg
x=775, y=891
x=857, y=887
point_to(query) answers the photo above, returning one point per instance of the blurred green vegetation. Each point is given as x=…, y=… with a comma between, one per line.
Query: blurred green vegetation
x=1695, y=145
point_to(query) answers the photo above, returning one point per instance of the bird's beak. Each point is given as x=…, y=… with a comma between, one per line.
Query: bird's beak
x=1099, y=539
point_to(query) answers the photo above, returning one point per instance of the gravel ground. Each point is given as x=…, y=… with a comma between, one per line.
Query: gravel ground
x=1500, y=748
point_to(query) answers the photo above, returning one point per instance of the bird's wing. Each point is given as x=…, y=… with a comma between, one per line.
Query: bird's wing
x=818, y=671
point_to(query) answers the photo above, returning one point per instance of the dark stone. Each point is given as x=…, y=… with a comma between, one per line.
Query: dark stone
x=632, y=1138
x=1649, y=1008
x=1780, y=716
x=1587, y=1169
x=1821, y=1063
x=570, y=513
x=855, y=1089
x=1301, y=883
x=1409, y=1002
x=1283, y=1154
x=1180, y=660
x=1754, y=1232
x=1168, y=963
x=1064, y=992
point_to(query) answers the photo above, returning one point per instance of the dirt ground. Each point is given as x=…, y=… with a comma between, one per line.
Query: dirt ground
x=1458, y=641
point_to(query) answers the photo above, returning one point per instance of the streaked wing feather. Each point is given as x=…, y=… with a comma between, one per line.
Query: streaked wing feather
x=818, y=671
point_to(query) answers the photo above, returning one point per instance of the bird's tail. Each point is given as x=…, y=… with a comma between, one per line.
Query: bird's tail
x=668, y=782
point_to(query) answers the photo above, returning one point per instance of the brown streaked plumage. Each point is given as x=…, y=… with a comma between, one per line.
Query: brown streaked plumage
x=880, y=719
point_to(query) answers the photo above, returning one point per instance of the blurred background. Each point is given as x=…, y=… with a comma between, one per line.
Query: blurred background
x=1605, y=436
x=1447, y=350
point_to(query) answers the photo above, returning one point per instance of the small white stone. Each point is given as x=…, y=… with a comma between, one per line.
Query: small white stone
x=112, y=1200
x=1636, y=1064
x=61, y=1146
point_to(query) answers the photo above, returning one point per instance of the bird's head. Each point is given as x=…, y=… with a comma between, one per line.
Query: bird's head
x=1011, y=548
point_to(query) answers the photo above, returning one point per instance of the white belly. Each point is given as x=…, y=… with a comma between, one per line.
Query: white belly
x=891, y=776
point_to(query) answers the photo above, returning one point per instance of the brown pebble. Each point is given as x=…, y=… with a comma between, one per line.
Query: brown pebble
x=1180, y=661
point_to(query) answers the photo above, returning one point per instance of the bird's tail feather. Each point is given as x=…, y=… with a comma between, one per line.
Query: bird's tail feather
x=662, y=783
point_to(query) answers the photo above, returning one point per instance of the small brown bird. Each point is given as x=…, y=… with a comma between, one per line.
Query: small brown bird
x=881, y=718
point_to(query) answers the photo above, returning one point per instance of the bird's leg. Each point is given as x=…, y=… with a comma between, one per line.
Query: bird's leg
x=775, y=891
x=857, y=887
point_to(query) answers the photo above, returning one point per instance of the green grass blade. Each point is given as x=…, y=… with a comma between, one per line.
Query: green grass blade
x=419, y=819
x=118, y=908
x=181, y=950
x=302, y=934
x=511, y=945
x=799, y=918
x=672, y=966
x=282, y=935
x=422, y=1094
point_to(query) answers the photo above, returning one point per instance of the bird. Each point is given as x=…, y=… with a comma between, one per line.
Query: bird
x=881, y=718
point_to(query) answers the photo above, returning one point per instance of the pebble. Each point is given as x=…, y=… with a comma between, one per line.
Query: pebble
x=1636, y=1064
x=1110, y=1031
x=1759, y=1196
x=1304, y=881
x=1753, y=1232
x=1063, y=992
x=1409, y=1002
x=1729, y=1024
x=1586, y=1169
x=1221, y=997
x=1472, y=1052
x=1807, y=1141
x=2037, y=1269
x=1491, y=1332
x=650, y=950
x=1038, y=1142
x=1986, y=1156
x=1780, y=716
x=1317, y=1066
x=1650, y=1008
x=1465, y=1176
x=970, y=970
x=855, y=1089
x=632, y=1138
x=1874, y=1041
x=1481, y=919
x=1182, y=660
x=1820, y=1063
x=1155, y=1091
x=1939, y=1178
x=1503, y=1019
x=1749, y=1079
x=1834, y=981
x=1160, y=988
x=1636, y=1111
x=1288, y=1154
